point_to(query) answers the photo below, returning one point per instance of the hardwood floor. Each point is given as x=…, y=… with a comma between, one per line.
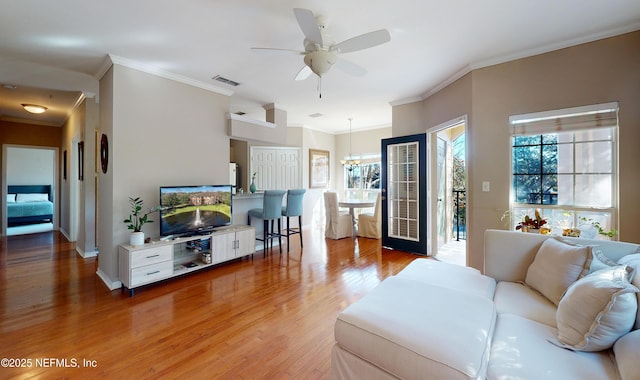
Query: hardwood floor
x=266, y=318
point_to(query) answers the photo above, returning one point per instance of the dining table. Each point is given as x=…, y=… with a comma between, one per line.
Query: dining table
x=353, y=204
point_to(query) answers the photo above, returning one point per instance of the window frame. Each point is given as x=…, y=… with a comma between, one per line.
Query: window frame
x=573, y=216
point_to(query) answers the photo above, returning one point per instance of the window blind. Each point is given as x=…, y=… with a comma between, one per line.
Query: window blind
x=567, y=119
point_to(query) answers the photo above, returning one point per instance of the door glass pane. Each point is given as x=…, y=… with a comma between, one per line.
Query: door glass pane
x=403, y=191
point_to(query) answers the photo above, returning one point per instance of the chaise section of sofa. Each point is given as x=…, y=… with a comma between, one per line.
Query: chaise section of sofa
x=399, y=328
x=435, y=320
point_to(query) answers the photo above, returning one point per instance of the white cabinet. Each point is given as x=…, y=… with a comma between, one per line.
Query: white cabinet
x=236, y=242
x=276, y=167
x=245, y=242
x=160, y=260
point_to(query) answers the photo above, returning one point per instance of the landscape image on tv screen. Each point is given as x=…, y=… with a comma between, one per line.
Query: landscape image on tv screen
x=194, y=208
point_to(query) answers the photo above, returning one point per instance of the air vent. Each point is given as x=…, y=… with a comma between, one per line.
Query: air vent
x=314, y=115
x=226, y=81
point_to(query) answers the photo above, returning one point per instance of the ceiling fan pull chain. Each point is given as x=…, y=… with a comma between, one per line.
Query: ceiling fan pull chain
x=320, y=86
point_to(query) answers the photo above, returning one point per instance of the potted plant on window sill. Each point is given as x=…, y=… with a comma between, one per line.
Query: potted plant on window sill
x=534, y=225
x=594, y=224
x=137, y=218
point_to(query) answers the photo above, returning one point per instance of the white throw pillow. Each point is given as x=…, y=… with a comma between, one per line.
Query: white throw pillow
x=32, y=197
x=626, y=350
x=11, y=198
x=597, y=310
x=556, y=266
x=633, y=261
x=600, y=260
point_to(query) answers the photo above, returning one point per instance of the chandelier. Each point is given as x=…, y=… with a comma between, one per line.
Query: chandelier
x=349, y=161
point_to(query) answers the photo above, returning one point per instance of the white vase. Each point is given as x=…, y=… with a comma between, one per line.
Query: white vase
x=136, y=239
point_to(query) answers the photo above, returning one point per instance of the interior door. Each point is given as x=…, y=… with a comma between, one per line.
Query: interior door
x=404, y=190
x=441, y=185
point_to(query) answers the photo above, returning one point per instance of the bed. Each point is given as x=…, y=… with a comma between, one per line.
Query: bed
x=29, y=204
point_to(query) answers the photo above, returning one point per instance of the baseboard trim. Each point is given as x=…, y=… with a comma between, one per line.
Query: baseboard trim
x=112, y=285
x=86, y=255
x=64, y=233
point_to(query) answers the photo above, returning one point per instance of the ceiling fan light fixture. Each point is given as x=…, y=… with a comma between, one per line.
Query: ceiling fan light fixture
x=34, y=108
x=320, y=61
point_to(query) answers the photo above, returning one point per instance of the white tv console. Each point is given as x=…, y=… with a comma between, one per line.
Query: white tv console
x=160, y=260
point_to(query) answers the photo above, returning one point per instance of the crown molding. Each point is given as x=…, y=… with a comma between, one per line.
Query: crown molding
x=519, y=55
x=149, y=69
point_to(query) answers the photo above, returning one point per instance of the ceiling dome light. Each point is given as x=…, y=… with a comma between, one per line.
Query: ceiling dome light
x=34, y=108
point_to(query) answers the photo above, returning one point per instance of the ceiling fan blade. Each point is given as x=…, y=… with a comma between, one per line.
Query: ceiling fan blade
x=350, y=67
x=309, y=25
x=363, y=41
x=304, y=73
x=276, y=50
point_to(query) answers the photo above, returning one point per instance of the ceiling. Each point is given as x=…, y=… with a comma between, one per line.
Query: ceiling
x=52, y=53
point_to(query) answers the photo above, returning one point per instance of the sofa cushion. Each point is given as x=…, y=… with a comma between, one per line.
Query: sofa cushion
x=449, y=276
x=626, y=350
x=597, y=310
x=521, y=350
x=517, y=298
x=409, y=328
x=634, y=262
x=556, y=266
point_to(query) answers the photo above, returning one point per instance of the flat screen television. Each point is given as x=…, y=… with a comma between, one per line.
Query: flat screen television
x=190, y=210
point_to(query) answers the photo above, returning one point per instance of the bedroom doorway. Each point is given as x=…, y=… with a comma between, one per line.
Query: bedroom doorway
x=28, y=165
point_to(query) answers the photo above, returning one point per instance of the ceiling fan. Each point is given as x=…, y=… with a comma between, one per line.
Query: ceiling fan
x=321, y=53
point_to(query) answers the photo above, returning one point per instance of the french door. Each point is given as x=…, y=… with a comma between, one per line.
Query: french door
x=404, y=190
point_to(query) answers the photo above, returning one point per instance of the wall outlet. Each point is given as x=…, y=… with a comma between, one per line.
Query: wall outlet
x=486, y=186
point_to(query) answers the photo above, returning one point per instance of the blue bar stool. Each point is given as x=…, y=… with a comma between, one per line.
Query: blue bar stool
x=292, y=209
x=271, y=211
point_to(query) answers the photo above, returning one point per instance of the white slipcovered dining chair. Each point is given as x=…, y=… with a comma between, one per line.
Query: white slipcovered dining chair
x=370, y=225
x=338, y=224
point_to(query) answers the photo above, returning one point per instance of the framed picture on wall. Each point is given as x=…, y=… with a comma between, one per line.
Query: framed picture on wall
x=81, y=160
x=64, y=165
x=318, y=168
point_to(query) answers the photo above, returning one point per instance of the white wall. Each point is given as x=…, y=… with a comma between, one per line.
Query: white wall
x=30, y=166
x=78, y=198
x=161, y=132
x=597, y=72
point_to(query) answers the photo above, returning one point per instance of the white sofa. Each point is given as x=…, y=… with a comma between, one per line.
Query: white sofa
x=435, y=320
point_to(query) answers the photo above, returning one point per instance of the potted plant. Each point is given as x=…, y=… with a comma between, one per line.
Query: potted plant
x=534, y=224
x=137, y=218
x=601, y=231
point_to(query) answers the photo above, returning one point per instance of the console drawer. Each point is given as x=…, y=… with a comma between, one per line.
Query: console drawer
x=151, y=273
x=150, y=256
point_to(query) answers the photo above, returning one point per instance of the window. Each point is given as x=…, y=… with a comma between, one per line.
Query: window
x=563, y=163
x=363, y=176
x=363, y=180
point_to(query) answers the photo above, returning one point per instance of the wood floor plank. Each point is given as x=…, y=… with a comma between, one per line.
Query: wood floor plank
x=260, y=318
